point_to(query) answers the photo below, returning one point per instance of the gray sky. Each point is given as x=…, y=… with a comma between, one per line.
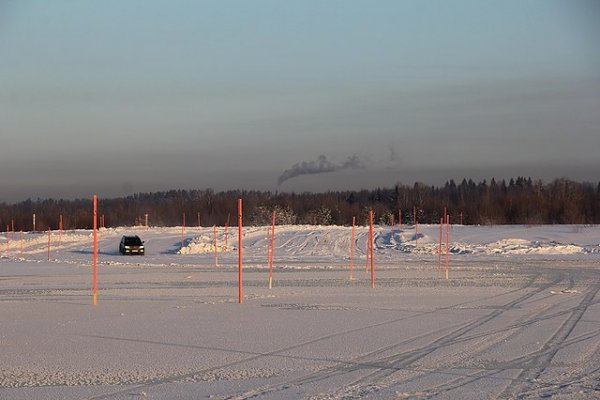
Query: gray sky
x=116, y=97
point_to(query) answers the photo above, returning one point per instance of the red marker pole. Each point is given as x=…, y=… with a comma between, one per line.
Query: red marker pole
x=215, y=243
x=95, y=289
x=447, y=252
x=440, y=247
x=48, y=243
x=240, y=284
x=272, y=252
x=372, y=245
x=352, y=247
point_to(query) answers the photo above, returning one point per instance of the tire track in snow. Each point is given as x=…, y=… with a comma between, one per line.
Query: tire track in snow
x=542, y=361
x=275, y=353
x=390, y=365
x=387, y=366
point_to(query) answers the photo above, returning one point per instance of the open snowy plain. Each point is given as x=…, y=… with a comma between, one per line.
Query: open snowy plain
x=519, y=316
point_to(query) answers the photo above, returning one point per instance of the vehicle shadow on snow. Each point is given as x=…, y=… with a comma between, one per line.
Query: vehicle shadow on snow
x=101, y=252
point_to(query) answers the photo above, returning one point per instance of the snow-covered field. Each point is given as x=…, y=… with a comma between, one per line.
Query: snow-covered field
x=519, y=316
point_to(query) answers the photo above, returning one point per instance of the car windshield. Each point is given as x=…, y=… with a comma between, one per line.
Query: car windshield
x=133, y=241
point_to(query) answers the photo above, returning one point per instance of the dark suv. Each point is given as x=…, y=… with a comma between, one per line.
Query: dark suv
x=131, y=245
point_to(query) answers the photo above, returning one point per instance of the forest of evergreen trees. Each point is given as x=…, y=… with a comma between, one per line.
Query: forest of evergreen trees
x=519, y=201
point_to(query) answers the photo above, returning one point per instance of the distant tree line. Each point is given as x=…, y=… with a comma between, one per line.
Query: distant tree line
x=520, y=201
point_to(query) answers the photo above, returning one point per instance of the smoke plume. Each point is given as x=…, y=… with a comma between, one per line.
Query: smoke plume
x=320, y=166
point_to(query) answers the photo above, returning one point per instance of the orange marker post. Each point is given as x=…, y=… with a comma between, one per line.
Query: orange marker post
x=372, y=246
x=215, y=243
x=440, y=247
x=95, y=287
x=48, y=243
x=352, y=247
x=272, y=252
x=447, y=251
x=240, y=284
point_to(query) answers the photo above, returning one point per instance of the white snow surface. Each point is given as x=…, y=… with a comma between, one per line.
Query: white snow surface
x=517, y=317
x=305, y=243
